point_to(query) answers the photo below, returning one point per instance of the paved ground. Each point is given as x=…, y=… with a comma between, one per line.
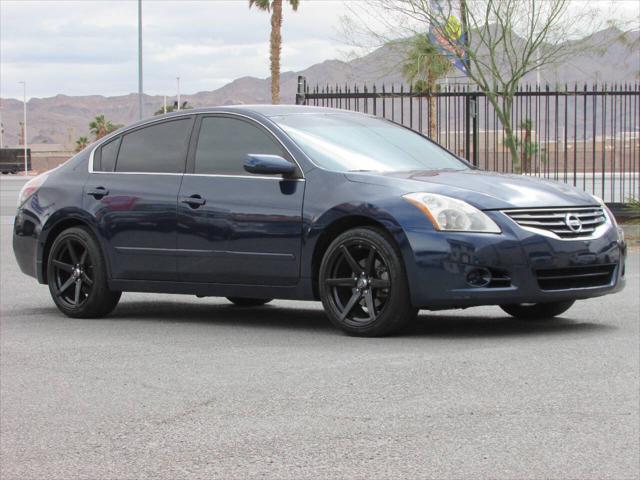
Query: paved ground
x=177, y=387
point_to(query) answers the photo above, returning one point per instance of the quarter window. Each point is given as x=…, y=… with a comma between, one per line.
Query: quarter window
x=224, y=143
x=108, y=154
x=159, y=148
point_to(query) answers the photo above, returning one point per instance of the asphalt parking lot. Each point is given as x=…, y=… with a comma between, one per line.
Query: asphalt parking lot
x=173, y=387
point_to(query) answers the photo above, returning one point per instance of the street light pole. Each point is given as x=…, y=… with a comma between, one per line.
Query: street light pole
x=24, y=125
x=178, y=87
x=1, y=132
x=140, y=113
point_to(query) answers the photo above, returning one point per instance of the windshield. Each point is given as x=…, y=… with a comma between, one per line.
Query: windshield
x=348, y=142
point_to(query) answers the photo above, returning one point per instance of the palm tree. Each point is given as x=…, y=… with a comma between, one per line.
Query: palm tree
x=100, y=126
x=81, y=143
x=423, y=66
x=275, y=7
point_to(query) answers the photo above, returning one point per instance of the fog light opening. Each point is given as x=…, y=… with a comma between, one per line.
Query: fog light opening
x=479, y=277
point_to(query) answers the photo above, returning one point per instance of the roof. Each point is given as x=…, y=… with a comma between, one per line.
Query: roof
x=265, y=110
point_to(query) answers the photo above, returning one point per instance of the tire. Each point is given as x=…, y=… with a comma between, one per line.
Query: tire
x=537, y=310
x=248, y=302
x=77, y=275
x=363, y=284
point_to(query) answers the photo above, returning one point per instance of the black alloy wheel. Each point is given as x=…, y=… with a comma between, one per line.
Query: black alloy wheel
x=73, y=272
x=77, y=275
x=363, y=284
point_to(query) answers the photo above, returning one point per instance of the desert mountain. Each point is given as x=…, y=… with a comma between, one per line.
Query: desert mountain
x=61, y=119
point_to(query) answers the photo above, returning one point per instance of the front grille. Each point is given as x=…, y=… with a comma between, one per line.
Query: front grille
x=569, y=223
x=575, y=277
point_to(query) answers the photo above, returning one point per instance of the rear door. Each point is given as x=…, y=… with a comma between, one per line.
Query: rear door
x=235, y=227
x=132, y=192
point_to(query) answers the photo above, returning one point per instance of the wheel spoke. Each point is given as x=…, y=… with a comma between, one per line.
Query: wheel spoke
x=76, y=299
x=379, y=283
x=371, y=306
x=83, y=257
x=341, y=282
x=371, y=259
x=85, y=278
x=350, y=260
x=350, y=304
x=63, y=266
x=72, y=252
x=65, y=285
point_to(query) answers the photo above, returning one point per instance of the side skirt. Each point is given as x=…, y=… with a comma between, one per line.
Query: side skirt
x=301, y=291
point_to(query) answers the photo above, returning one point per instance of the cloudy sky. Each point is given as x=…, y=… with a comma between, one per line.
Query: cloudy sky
x=90, y=47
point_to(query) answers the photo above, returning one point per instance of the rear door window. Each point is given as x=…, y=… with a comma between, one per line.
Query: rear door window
x=158, y=148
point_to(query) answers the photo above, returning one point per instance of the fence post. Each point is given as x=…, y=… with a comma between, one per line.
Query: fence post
x=474, y=115
x=467, y=124
x=300, y=94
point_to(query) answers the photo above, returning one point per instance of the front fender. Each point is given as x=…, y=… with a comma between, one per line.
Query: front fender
x=382, y=207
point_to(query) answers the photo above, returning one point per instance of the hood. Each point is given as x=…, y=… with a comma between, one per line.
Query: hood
x=484, y=190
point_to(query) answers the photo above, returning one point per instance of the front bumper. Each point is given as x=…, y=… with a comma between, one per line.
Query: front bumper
x=441, y=261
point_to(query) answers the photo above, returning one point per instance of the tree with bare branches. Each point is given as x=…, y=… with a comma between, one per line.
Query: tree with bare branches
x=502, y=40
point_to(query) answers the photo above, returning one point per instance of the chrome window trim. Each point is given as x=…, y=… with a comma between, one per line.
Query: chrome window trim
x=249, y=175
x=203, y=114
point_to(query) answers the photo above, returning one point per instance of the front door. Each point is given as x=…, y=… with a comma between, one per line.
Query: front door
x=132, y=193
x=235, y=227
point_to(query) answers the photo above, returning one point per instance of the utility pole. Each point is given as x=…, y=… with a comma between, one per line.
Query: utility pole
x=24, y=124
x=178, y=87
x=1, y=132
x=140, y=107
x=164, y=105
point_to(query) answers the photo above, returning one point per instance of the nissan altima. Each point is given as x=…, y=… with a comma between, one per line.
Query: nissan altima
x=263, y=202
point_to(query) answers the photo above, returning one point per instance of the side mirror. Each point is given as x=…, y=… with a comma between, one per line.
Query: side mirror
x=268, y=165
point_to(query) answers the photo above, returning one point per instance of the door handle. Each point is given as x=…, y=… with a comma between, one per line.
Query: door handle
x=194, y=201
x=98, y=192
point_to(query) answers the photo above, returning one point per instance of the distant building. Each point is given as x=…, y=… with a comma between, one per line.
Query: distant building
x=45, y=156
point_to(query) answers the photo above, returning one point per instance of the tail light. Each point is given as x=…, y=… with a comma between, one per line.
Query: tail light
x=31, y=187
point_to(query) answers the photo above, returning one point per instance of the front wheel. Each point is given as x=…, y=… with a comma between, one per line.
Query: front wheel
x=363, y=284
x=531, y=311
x=77, y=276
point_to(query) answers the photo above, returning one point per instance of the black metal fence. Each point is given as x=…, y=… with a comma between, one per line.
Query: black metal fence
x=587, y=136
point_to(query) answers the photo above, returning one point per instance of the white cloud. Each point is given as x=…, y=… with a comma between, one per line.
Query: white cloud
x=90, y=47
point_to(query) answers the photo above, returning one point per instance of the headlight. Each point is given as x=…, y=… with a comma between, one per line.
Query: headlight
x=452, y=215
x=606, y=209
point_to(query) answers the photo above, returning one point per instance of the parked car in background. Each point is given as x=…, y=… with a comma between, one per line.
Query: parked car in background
x=264, y=202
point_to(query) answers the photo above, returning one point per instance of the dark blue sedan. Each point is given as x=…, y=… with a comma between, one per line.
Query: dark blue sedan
x=256, y=203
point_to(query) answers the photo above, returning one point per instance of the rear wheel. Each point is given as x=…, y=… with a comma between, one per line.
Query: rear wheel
x=363, y=284
x=248, y=302
x=532, y=311
x=77, y=276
